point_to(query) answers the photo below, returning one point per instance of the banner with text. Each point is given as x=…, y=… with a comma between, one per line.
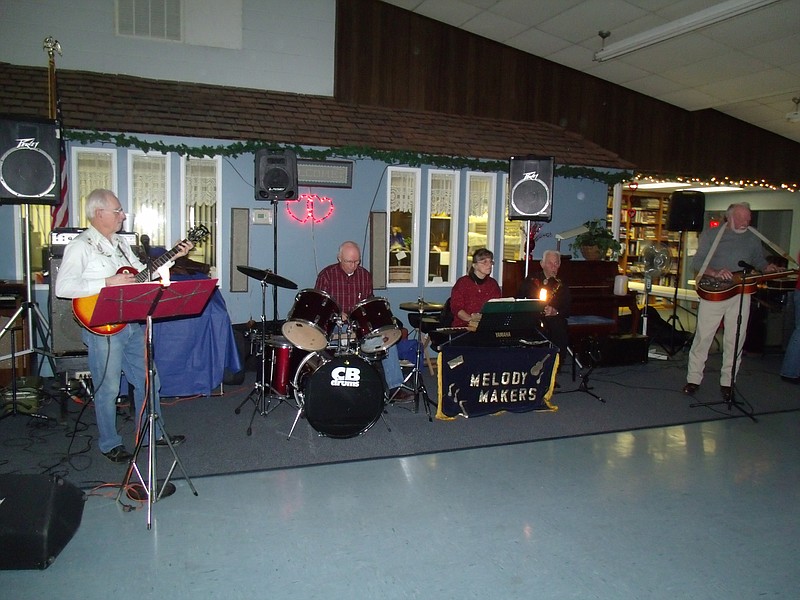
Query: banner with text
x=479, y=381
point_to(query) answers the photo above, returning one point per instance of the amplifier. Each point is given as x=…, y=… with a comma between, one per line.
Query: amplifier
x=625, y=349
x=61, y=236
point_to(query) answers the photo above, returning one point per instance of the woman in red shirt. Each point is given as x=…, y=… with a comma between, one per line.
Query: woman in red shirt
x=474, y=289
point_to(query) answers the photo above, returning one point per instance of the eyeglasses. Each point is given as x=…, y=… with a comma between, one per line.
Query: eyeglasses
x=351, y=262
x=486, y=261
x=117, y=211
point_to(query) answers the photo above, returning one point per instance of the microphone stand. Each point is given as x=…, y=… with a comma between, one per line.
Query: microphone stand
x=731, y=402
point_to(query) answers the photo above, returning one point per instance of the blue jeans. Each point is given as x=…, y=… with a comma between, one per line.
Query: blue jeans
x=391, y=368
x=791, y=360
x=109, y=357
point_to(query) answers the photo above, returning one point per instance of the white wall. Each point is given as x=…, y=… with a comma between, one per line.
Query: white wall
x=286, y=45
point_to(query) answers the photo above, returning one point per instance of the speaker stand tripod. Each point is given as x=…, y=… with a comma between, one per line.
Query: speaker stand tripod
x=731, y=401
x=28, y=312
x=673, y=321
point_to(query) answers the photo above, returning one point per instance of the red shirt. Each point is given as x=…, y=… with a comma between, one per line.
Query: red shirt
x=470, y=296
x=346, y=290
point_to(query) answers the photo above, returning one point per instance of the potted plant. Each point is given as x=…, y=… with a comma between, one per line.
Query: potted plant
x=595, y=243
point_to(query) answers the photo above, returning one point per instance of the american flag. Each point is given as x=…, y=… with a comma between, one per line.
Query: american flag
x=59, y=214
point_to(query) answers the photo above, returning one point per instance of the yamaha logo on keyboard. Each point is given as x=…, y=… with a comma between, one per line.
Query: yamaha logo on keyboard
x=502, y=334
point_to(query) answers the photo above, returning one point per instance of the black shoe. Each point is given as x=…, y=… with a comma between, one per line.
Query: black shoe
x=690, y=388
x=725, y=390
x=791, y=379
x=118, y=455
x=400, y=394
x=176, y=440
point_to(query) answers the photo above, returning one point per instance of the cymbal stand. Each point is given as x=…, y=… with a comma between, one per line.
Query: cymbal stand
x=415, y=375
x=731, y=402
x=148, y=432
x=258, y=396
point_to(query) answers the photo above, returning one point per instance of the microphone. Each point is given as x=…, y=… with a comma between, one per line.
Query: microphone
x=145, y=240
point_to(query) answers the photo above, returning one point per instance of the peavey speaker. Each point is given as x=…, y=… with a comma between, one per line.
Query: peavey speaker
x=30, y=161
x=38, y=516
x=686, y=209
x=531, y=188
x=276, y=175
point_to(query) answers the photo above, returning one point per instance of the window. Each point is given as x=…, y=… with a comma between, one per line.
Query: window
x=94, y=168
x=149, y=193
x=403, y=211
x=480, y=213
x=201, y=197
x=442, y=226
x=155, y=19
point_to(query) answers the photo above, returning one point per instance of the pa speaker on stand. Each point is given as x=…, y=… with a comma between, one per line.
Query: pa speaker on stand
x=686, y=213
x=531, y=188
x=30, y=161
x=275, y=175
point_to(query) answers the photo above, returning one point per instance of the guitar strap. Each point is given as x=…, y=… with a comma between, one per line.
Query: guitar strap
x=780, y=251
x=711, y=250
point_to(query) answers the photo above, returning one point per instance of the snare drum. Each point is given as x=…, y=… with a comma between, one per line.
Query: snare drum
x=374, y=325
x=341, y=396
x=311, y=320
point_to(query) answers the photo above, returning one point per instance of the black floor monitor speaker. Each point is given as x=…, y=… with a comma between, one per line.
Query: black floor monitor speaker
x=38, y=517
x=276, y=175
x=530, y=195
x=686, y=209
x=30, y=161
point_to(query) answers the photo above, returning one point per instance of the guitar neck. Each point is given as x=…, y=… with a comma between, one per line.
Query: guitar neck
x=145, y=274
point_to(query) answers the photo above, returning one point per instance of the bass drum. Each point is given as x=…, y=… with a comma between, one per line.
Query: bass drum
x=341, y=396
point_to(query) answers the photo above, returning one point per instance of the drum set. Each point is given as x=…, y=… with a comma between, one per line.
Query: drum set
x=323, y=365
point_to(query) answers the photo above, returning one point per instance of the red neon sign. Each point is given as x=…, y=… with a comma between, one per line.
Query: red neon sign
x=310, y=207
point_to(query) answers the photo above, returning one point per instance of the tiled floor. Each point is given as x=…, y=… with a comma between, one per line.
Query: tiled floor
x=707, y=510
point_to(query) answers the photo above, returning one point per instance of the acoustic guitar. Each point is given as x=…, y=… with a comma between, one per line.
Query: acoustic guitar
x=83, y=308
x=716, y=290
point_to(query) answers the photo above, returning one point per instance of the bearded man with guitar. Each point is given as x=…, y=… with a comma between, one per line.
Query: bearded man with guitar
x=721, y=256
x=96, y=258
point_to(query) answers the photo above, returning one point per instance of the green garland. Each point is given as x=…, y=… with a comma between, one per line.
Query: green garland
x=395, y=157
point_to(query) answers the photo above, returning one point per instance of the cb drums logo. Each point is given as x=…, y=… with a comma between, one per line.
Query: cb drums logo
x=345, y=377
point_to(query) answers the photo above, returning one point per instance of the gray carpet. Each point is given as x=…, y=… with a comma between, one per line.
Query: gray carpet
x=639, y=396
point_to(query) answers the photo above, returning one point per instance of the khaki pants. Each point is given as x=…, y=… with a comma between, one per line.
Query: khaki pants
x=709, y=316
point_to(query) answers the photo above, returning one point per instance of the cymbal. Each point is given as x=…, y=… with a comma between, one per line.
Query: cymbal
x=267, y=277
x=421, y=306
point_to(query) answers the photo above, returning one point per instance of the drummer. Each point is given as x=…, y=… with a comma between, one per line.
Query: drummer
x=348, y=283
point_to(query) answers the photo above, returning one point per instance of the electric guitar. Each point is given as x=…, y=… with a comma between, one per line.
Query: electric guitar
x=716, y=290
x=83, y=308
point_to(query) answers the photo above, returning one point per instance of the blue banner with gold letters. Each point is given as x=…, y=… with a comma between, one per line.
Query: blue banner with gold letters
x=475, y=381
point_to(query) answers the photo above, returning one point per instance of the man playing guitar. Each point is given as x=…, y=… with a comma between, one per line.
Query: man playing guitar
x=96, y=258
x=720, y=254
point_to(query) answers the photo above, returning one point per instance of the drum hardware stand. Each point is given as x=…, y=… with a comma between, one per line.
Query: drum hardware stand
x=415, y=375
x=258, y=396
x=731, y=402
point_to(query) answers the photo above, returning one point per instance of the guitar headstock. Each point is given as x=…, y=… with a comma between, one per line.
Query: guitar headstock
x=198, y=234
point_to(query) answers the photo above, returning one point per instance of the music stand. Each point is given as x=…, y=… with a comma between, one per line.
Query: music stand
x=145, y=302
x=731, y=402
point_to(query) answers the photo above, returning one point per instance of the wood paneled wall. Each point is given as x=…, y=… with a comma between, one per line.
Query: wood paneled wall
x=390, y=57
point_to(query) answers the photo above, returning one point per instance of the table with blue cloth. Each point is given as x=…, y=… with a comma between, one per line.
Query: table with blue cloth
x=192, y=353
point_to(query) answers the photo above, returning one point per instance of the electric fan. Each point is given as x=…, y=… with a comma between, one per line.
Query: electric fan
x=655, y=261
